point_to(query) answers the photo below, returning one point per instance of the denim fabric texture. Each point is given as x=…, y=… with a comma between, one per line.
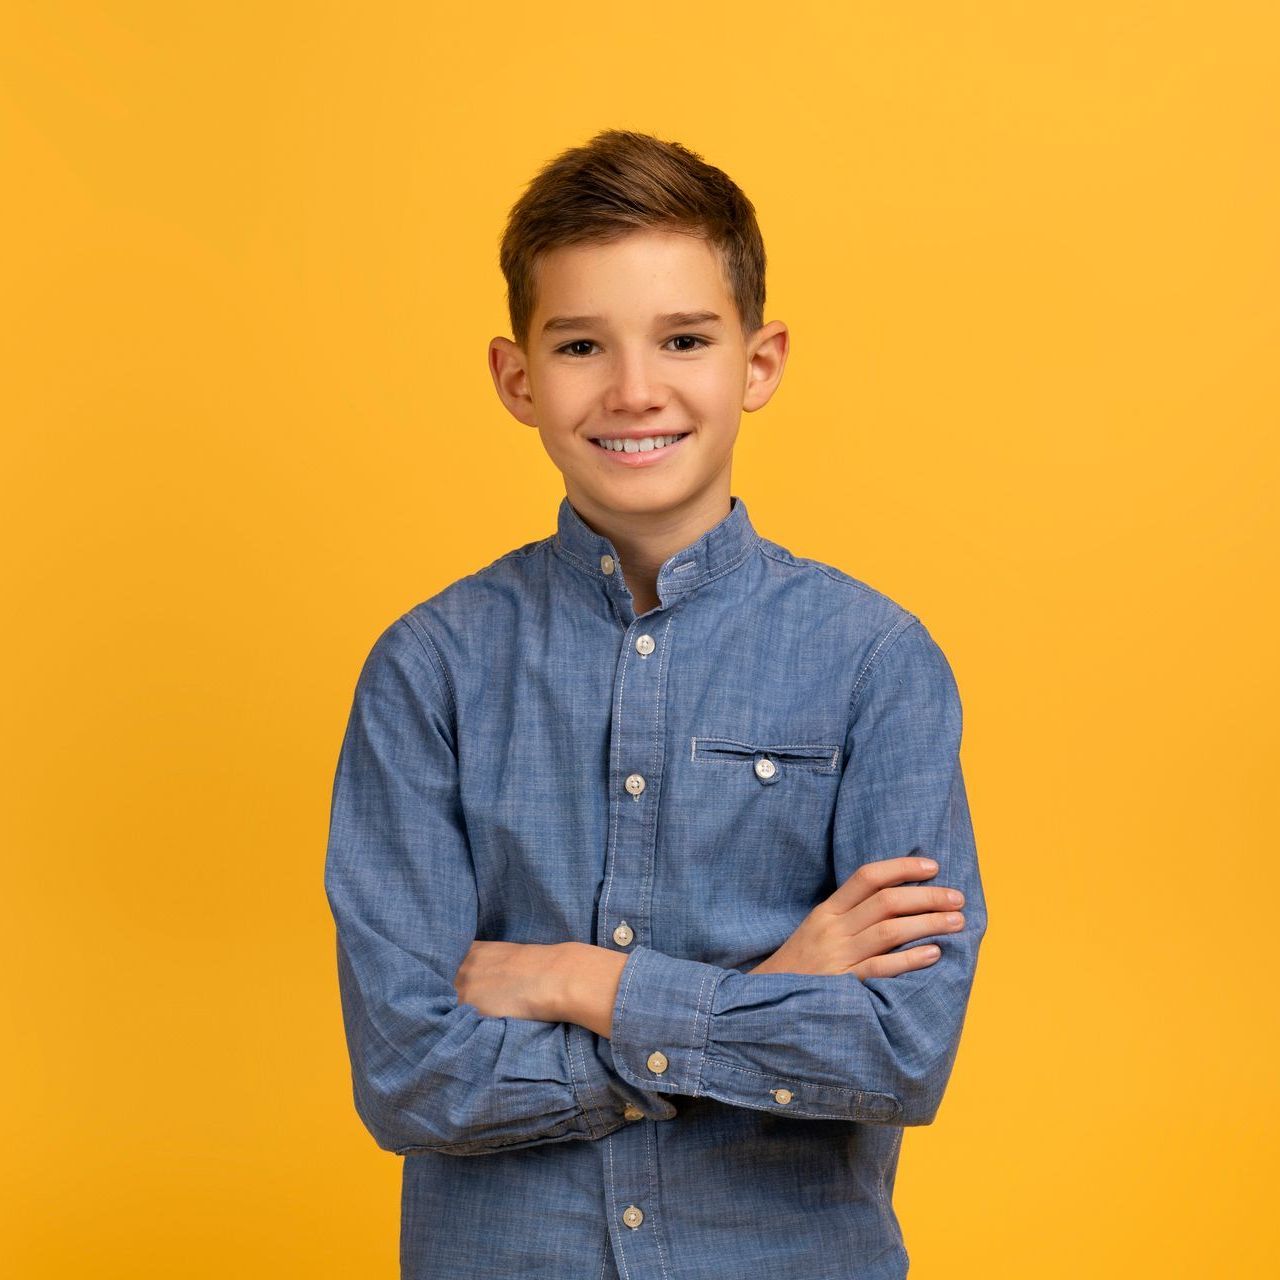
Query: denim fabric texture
x=526, y=760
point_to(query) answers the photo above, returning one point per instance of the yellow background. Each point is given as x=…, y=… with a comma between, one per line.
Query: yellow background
x=1028, y=255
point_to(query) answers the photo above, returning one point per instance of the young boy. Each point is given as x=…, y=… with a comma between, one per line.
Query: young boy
x=638, y=832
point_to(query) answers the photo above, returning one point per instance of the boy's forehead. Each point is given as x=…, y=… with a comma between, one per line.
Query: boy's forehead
x=657, y=272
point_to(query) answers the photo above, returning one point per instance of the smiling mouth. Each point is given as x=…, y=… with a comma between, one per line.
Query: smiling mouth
x=647, y=444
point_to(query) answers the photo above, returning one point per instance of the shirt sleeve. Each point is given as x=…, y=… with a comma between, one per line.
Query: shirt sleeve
x=430, y=1073
x=878, y=1050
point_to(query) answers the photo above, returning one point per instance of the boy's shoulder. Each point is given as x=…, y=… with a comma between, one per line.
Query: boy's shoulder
x=854, y=616
x=471, y=604
x=830, y=580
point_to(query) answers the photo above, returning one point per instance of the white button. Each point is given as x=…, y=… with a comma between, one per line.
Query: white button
x=632, y=1216
x=644, y=645
x=765, y=768
x=606, y=563
x=622, y=935
x=783, y=1095
x=657, y=1062
x=632, y=1112
x=635, y=783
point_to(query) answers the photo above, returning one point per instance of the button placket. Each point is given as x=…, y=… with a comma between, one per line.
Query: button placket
x=636, y=764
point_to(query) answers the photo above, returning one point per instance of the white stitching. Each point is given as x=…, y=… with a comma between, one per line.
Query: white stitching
x=649, y=1146
x=622, y=1253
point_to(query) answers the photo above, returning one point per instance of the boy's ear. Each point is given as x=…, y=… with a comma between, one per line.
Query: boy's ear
x=511, y=379
x=766, y=359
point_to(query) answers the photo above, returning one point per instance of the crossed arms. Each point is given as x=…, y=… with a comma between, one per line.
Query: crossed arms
x=466, y=1047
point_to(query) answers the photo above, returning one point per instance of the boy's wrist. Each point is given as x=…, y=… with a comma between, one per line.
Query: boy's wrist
x=585, y=986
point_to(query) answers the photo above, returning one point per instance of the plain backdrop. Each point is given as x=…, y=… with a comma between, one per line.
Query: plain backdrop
x=248, y=267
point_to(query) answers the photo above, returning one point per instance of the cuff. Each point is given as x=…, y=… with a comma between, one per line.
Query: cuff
x=606, y=1102
x=661, y=1019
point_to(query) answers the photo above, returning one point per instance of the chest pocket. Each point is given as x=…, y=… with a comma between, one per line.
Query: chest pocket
x=769, y=763
x=762, y=809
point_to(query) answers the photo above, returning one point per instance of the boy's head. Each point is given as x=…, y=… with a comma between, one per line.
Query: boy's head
x=635, y=284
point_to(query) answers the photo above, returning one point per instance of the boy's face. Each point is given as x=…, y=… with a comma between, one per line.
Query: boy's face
x=621, y=343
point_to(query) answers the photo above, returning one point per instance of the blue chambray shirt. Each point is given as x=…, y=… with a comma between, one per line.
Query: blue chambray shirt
x=527, y=760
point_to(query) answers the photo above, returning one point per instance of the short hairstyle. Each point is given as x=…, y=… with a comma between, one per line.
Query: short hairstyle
x=619, y=182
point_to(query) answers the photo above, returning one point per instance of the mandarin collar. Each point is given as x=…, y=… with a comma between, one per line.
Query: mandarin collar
x=721, y=548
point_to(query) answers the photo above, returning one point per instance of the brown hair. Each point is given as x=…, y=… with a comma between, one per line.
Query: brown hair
x=619, y=182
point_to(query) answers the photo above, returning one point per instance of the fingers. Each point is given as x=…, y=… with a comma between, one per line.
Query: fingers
x=898, y=962
x=873, y=877
x=885, y=935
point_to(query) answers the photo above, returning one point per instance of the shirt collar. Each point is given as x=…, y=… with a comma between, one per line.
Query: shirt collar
x=721, y=548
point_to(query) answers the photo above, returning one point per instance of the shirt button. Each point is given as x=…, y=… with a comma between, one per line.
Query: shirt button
x=657, y=1062
x=765, y=768
x=783, y=1095
x=635, y=783
x=632, y=1112
x=644, y=645
x=632, y=1216
x=622, y=935
x=606, y=564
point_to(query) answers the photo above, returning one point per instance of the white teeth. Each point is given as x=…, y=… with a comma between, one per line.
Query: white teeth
x=645, y=445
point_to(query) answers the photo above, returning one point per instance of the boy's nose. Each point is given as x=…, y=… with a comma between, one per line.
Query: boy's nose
x=632, y=388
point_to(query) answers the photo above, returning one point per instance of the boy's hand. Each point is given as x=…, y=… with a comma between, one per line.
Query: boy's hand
x=508, y=979
x=874, y=911
x=548, y=982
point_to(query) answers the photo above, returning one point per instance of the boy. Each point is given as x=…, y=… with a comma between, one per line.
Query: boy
x=638, y=832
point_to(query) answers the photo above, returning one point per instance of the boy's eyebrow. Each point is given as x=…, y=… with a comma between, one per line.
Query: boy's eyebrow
x=557, y=323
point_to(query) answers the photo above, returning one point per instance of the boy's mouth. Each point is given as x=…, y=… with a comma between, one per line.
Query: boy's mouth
x=643, y=445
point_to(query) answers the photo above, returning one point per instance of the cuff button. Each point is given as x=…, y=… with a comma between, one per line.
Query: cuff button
x=782, y=1095
x=657, y=1062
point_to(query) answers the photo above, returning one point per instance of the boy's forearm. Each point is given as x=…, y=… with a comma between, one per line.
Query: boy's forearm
x=585, y=986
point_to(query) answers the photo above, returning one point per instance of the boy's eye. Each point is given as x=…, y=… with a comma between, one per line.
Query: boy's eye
x=575, y=348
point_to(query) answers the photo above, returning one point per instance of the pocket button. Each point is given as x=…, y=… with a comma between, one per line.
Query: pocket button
x=765, y=768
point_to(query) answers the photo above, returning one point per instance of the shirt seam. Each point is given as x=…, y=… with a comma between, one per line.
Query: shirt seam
x=886, y=642
x=430, y=648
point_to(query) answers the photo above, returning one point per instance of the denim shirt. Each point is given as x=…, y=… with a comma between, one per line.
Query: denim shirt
x=528, y=760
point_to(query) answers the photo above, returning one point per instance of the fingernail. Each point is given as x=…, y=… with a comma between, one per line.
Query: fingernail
x=955, y=896
x=928, y=864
